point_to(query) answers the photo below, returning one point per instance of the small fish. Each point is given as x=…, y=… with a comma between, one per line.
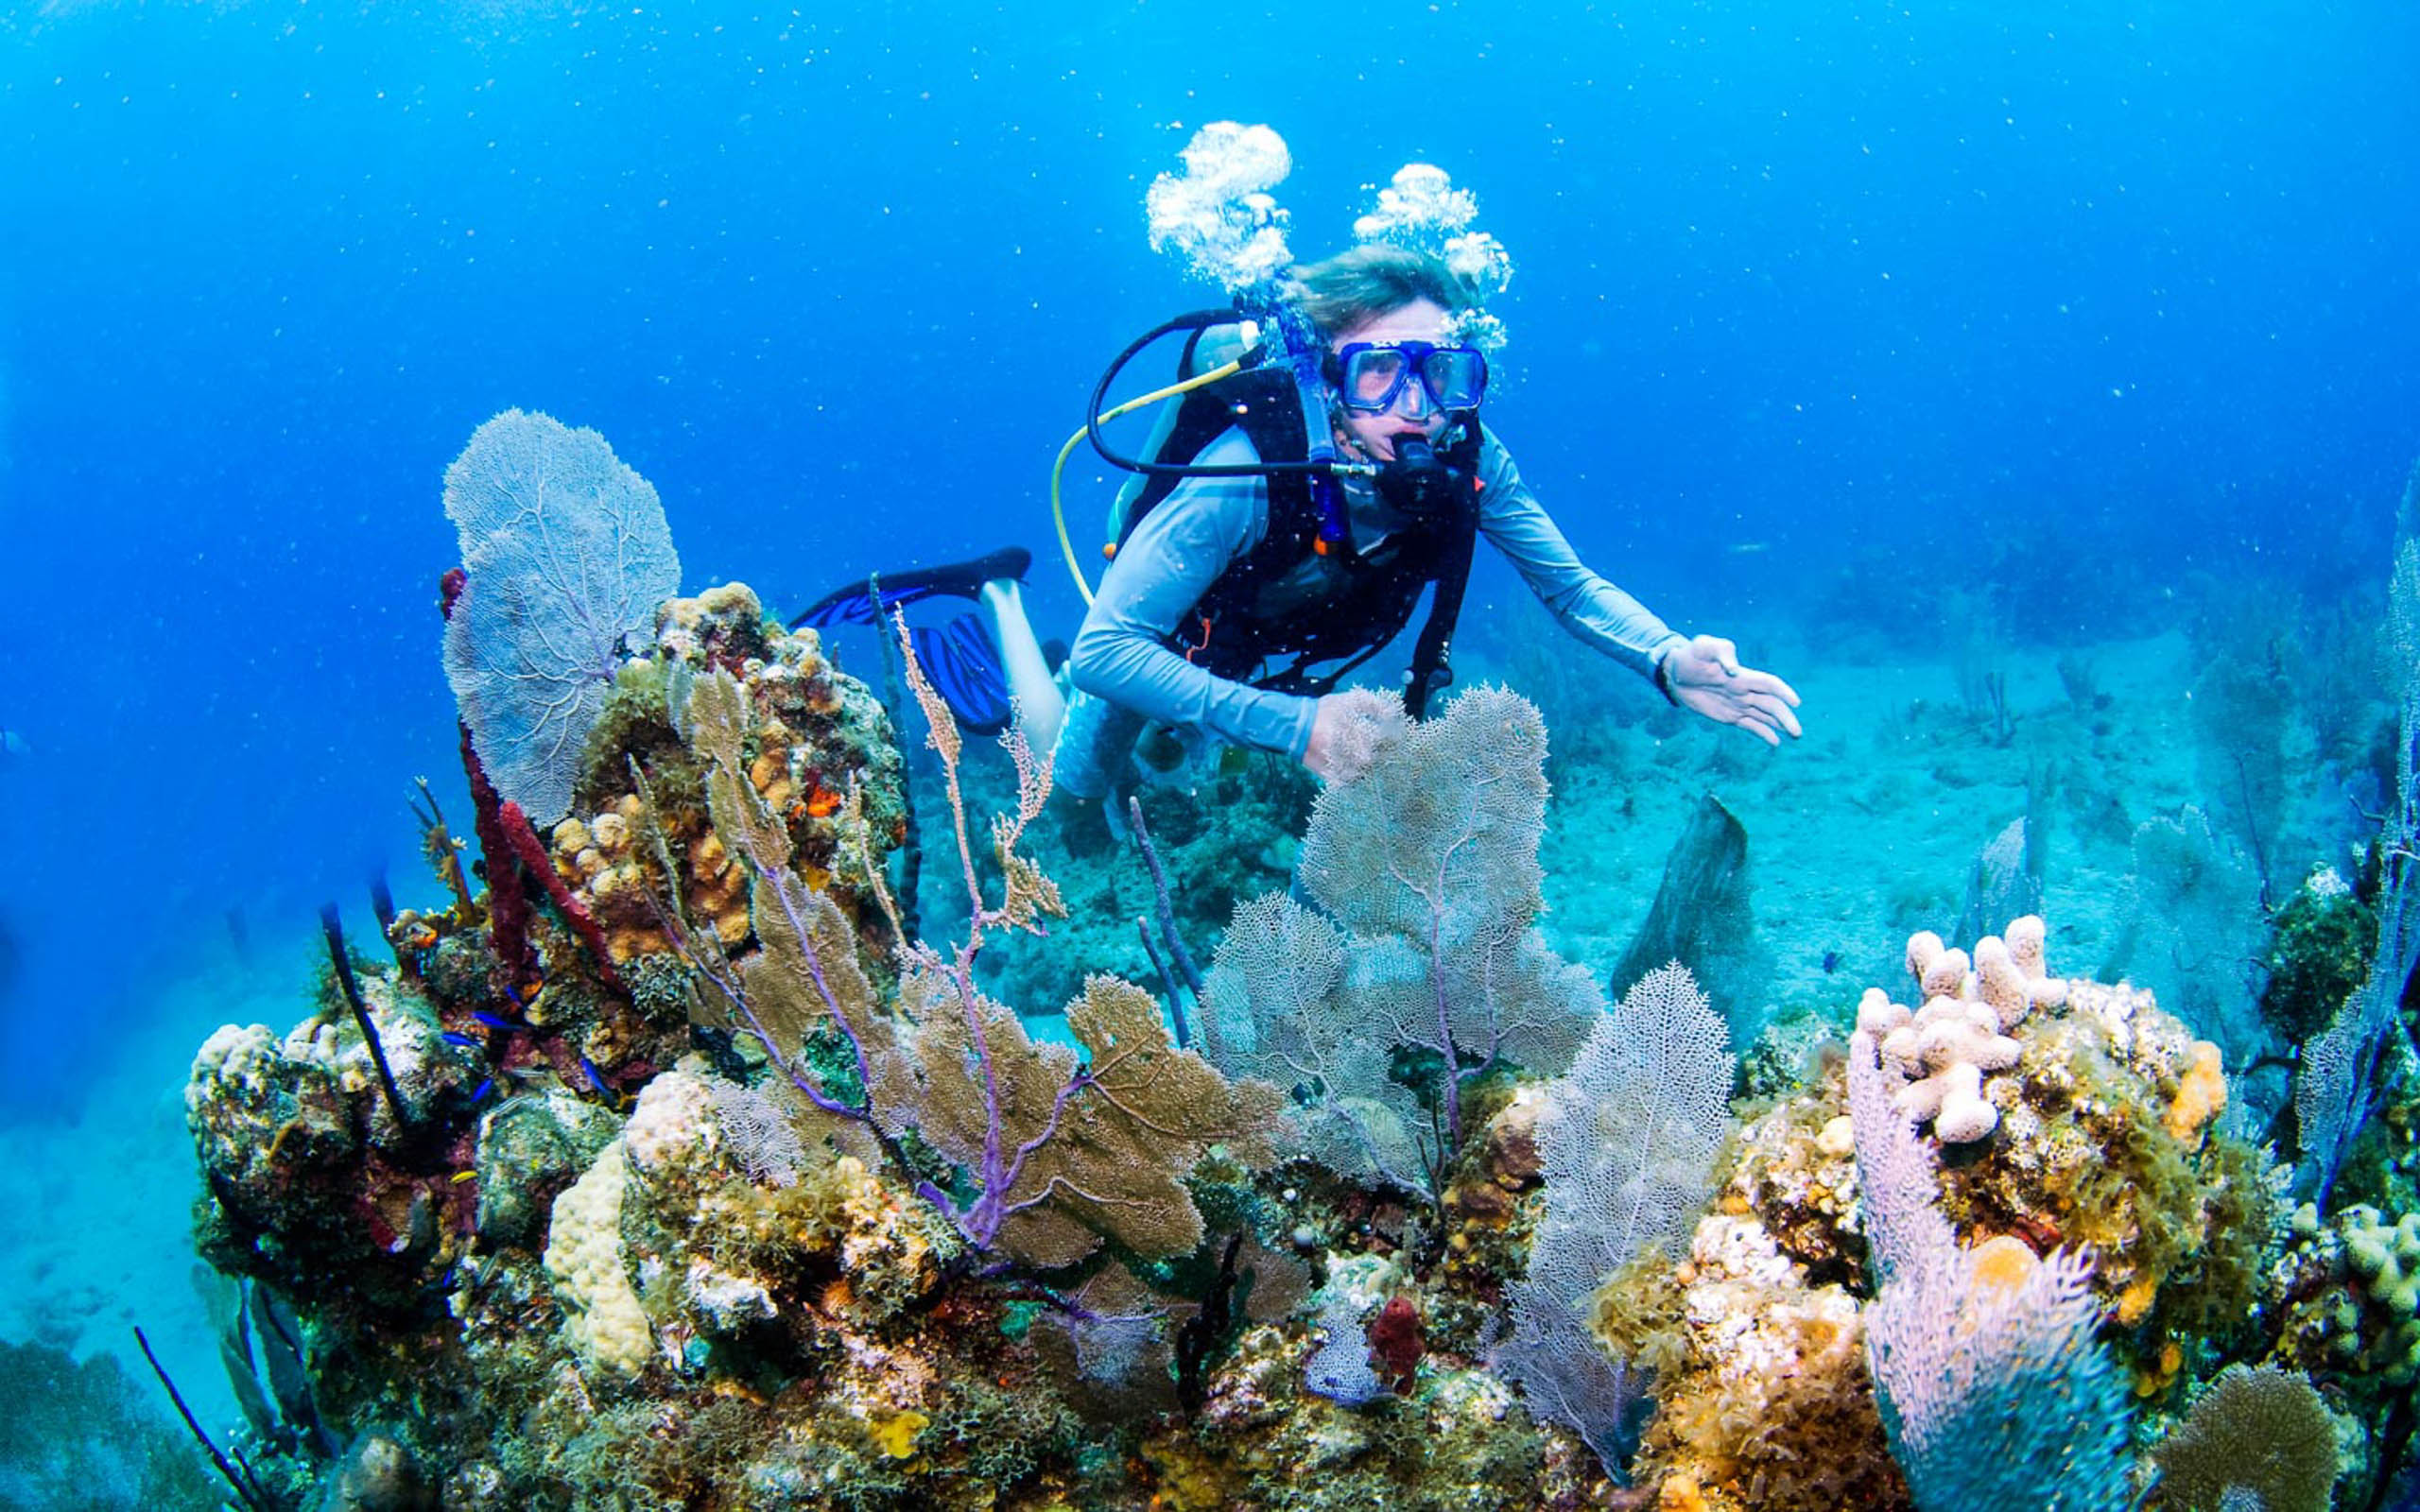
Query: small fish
x=594, y=1079
x=480, y=1094
x=1748, y=548
x=460, y=1176
x=495, y=1023
x=13, y=745
x=468, y=1041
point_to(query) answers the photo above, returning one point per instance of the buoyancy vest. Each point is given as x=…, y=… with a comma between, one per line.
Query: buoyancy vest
x=1251, y=622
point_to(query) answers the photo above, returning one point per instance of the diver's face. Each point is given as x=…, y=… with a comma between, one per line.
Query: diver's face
x=1413, y=413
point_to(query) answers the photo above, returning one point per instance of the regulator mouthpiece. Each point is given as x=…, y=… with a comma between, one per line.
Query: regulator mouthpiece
x=1417, y=484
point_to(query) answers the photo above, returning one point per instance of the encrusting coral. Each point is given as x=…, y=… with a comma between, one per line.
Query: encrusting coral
x=1762, y=1399
x=585, y=1262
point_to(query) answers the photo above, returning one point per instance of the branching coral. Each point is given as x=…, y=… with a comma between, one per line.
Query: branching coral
x=1948, y=1044
x=1056, y=1149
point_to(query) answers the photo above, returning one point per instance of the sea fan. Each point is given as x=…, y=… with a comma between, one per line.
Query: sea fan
x=568, y=556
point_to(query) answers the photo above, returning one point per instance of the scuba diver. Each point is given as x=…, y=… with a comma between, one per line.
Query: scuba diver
x=1255, y=564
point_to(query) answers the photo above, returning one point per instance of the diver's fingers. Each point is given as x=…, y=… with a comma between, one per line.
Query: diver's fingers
x=1756, y=682
x=1769, y=715
x=1757, y=727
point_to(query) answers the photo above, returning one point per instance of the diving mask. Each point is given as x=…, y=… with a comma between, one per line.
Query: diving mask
x=1371, y=375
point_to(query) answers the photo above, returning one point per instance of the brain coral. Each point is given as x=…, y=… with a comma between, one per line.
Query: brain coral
x=584, y=1260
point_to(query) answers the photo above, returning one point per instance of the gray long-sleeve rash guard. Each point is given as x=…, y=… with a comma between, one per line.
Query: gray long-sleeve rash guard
x=1204, y=524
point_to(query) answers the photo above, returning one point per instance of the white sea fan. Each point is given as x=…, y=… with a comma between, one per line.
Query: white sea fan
x=1625, y=1141
x=1218, y=213
x=568, y=554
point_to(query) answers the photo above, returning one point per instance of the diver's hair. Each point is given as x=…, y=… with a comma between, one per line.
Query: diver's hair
x=1349, y=290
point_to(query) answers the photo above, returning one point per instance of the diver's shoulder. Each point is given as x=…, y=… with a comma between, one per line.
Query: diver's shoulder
x=1496, y=464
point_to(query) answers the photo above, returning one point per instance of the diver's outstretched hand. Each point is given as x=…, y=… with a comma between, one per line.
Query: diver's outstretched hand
x=1347, y=729
x=1706, y=677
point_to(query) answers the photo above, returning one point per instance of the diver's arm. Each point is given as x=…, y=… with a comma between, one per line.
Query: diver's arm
x=1588, y=605
x=1700, y=673
x=1160, y=573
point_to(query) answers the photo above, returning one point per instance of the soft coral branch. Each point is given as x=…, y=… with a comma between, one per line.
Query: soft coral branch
x=1057, y=1149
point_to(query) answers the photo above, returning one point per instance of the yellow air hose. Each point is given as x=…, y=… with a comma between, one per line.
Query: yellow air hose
x=1058, y=468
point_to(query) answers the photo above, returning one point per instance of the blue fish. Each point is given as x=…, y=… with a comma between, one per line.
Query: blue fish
x=13, y=745
x=495, y=1023
x=468, y=1041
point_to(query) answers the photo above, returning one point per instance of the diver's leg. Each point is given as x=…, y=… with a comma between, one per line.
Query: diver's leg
x=1093, y=759
x=1090, y=768
x=1041, y=707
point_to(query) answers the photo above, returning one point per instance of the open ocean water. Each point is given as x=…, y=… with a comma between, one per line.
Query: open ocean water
x=2099, y=316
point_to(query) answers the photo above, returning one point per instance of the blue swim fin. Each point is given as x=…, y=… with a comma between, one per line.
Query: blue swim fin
x=853, y=604
x=964, y=667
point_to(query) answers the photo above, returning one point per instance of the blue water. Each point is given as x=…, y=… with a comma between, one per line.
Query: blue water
x=1811, y=278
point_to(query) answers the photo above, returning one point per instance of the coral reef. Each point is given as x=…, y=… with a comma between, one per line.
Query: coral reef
x=1263, y=1439
x=708, y=1181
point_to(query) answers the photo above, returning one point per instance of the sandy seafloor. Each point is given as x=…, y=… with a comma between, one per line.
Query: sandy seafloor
x=1861, y=830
